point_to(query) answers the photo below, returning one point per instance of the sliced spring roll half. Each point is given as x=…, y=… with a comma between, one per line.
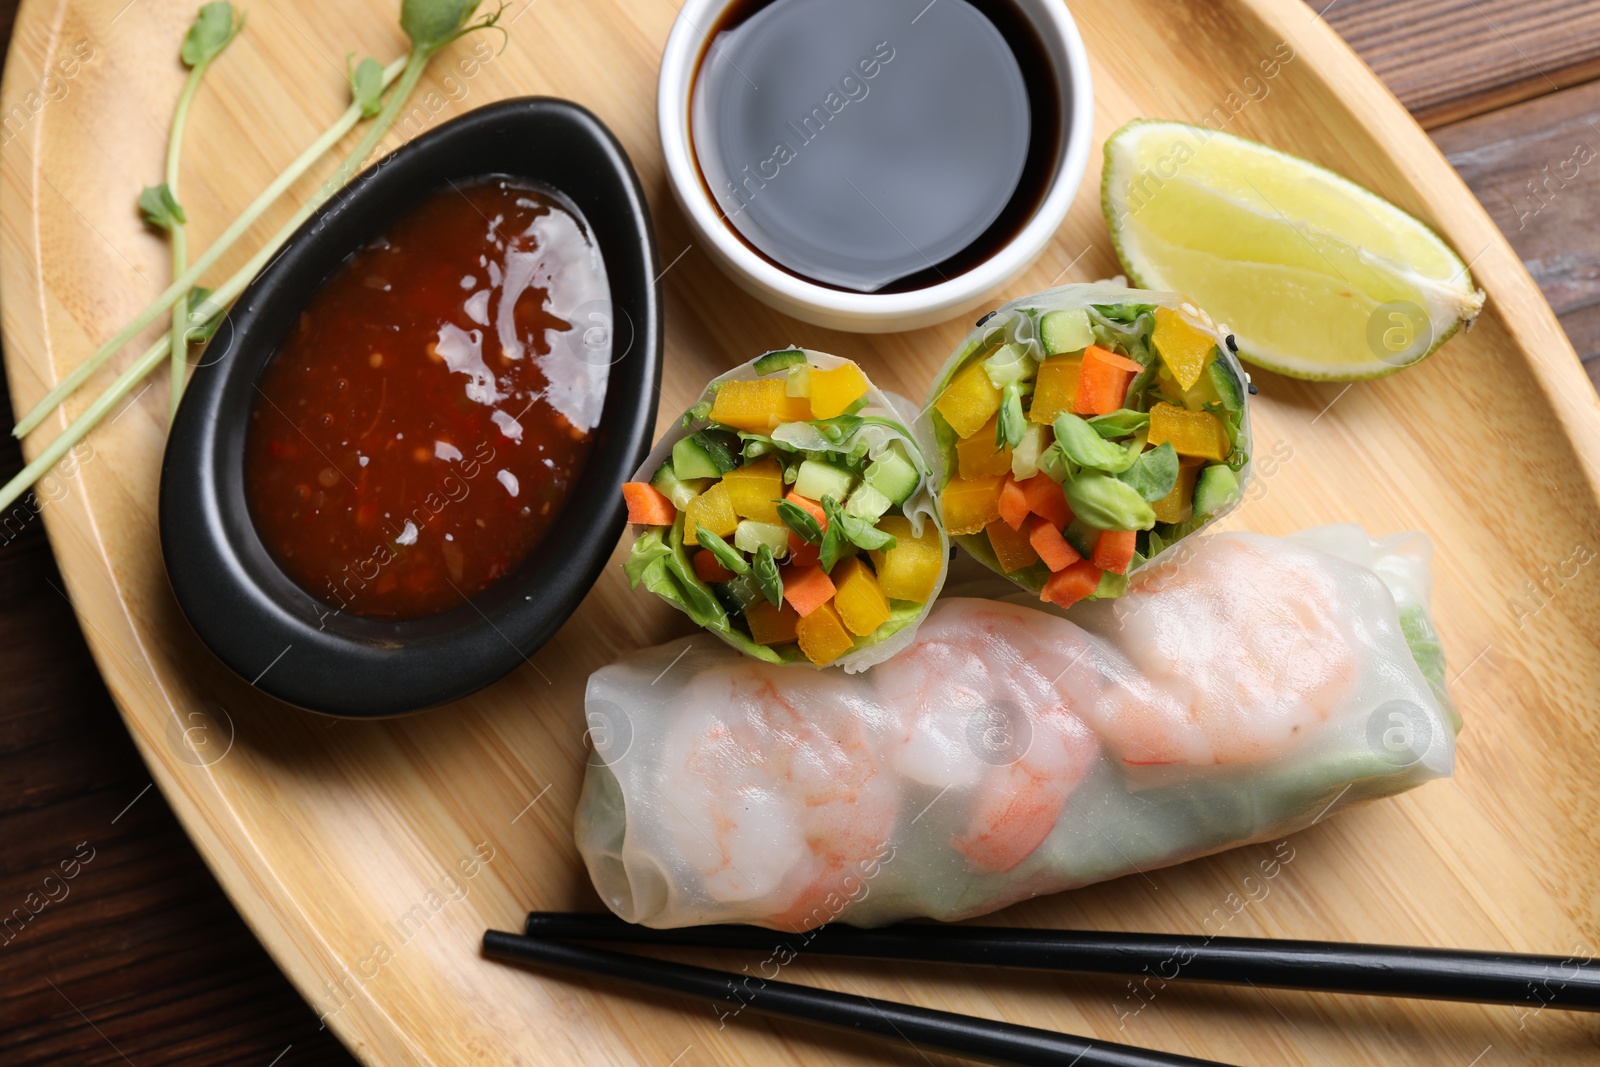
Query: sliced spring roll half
x=790, y=513
x=1249, y=687
x=1080, y=432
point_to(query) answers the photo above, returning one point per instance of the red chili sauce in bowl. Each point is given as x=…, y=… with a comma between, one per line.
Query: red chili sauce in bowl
x=416, y=433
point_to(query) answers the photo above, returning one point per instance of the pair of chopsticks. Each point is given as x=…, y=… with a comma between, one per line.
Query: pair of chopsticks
x=1373, y=970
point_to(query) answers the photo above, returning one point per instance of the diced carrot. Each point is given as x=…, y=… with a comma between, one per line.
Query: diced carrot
x=709, y=568
x=1103, y=381
x=811, y=506
x=1065, y=588
x=1045, y=498
x=647, y=505
x=803, y=553
x=1114, y=551
x=1046, y=540
x=806, y=588
x=1105, y=355
x=1014, y=503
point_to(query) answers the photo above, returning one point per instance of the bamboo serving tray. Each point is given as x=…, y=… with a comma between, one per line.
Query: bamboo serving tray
x=369, y=857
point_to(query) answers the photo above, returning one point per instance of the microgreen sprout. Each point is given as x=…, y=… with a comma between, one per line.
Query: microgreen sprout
x=213, y=29
x=430, y=25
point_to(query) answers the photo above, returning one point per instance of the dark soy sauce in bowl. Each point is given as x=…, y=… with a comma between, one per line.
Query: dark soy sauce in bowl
x=880, y=146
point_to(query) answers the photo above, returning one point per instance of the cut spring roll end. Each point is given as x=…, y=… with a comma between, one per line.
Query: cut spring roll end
x=790, y=512
x=1081, y=432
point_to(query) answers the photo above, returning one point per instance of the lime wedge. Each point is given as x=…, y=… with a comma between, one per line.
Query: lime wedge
x=1315, y=276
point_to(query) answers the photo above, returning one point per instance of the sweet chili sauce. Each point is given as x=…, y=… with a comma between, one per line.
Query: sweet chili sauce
x=418, y=430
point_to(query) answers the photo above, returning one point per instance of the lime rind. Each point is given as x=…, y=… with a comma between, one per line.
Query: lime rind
x=1390, y=259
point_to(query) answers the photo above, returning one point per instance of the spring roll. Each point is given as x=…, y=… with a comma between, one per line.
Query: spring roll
x=790, y=513
x=1246, y=688
x=1080, y=432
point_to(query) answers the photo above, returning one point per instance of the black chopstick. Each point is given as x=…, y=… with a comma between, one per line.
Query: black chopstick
x=924, y=1028
x=1323, y=966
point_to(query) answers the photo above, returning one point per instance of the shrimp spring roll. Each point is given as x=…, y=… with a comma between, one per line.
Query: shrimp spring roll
x=790, y=514
x=1080, y=432
x=1244, y=689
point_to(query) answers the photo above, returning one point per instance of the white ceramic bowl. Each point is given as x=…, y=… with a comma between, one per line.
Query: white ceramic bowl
x=873, y=312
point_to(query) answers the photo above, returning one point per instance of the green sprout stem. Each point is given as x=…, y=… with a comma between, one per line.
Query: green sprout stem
x=179, y=232
x=80, y=426
x=181, y=285
x=405, y=73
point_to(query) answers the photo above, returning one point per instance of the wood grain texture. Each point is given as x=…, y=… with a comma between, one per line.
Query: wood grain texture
x=138, y=953
x=1536, y=168
x=1450, y=59
x=343, y=843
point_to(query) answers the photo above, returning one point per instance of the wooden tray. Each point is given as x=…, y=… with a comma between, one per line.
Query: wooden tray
x=369, y=857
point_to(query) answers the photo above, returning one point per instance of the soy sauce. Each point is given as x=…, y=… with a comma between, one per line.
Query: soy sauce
x=875, y=145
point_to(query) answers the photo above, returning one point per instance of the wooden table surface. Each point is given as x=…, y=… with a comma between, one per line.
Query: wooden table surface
x=143, y=961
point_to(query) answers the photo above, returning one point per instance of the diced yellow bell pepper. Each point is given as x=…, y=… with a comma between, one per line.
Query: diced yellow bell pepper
x=969, y=401
x=755, y=491
x=822, y=636
x=711, y=509
x=1055, y=387
x=1178, y=505
x=758, y=406
x=859, y=597
x=1192, y=433
x=977, y=456
x=1183, y=347
x=834, y=390
x=970, y=504
x=909, y=570
x=772, y=625
x=1011, y=547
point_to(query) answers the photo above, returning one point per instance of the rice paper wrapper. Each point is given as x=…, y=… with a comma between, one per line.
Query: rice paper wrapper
x=1249, y=688
x=1014, y=326
x=884, y=421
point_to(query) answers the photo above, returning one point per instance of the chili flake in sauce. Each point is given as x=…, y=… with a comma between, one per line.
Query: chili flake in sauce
x=418, y=431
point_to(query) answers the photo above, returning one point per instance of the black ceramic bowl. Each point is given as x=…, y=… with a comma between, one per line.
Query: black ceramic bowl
x=259, y=622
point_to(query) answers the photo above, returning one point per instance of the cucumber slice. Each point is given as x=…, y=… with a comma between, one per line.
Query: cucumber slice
x=1065, y=331
x=893, y=474
x=690, y=459
x=818, y=479
x=1111, y=586
x=749, y=536
x=721, y=446
x=799, y=383
x=702, y=455
x=1230, y=390
x=1009, y=364
x=675, y=489
x=867, y=504
x=782, y=359
x=1215, y=489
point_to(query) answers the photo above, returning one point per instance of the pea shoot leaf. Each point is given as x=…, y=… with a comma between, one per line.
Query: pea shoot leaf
x=213, y=28
x=160, y=208
x=366, y=85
